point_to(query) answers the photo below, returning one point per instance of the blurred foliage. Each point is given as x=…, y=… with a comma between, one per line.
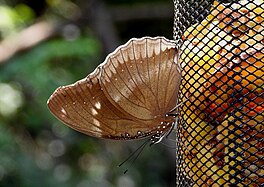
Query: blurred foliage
x=13, y=19
x=35, y=148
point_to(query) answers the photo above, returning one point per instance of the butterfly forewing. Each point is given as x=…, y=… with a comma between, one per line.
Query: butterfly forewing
x=76, y=106
x=127, y=96
x=84, y=107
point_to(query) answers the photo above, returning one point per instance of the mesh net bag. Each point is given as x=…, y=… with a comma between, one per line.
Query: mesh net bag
x=220, y=130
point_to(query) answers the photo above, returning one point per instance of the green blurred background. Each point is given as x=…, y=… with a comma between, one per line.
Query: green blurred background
x=48, y=43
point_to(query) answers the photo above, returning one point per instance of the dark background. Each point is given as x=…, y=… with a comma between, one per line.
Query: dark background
x=46, y=44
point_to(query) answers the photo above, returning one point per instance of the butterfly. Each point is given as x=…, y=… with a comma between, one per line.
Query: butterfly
x=131, y=95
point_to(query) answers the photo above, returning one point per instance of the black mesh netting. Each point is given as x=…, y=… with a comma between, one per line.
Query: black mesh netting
x=220, y=131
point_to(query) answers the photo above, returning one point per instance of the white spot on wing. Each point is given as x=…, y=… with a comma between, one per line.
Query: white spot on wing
x=98, y=105
x=96, y=126
x=63, y=111
x=96, y=122
x=116, y=98
x=94, y=112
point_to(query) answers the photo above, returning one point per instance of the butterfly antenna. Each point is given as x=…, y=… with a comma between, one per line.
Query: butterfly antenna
x=136, y=153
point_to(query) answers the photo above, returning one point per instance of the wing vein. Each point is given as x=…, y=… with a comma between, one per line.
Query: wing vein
x=122, y=93
x=77, y=125
x=77, y=112
x=135, y=82
x=125, y=83
x=138, y=71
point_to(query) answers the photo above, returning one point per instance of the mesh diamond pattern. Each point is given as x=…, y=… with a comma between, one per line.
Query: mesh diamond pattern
x=220, y=131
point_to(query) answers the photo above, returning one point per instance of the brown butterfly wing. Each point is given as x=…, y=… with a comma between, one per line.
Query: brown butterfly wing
x=84, y=107
x=125, y=97
x=142, y=78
